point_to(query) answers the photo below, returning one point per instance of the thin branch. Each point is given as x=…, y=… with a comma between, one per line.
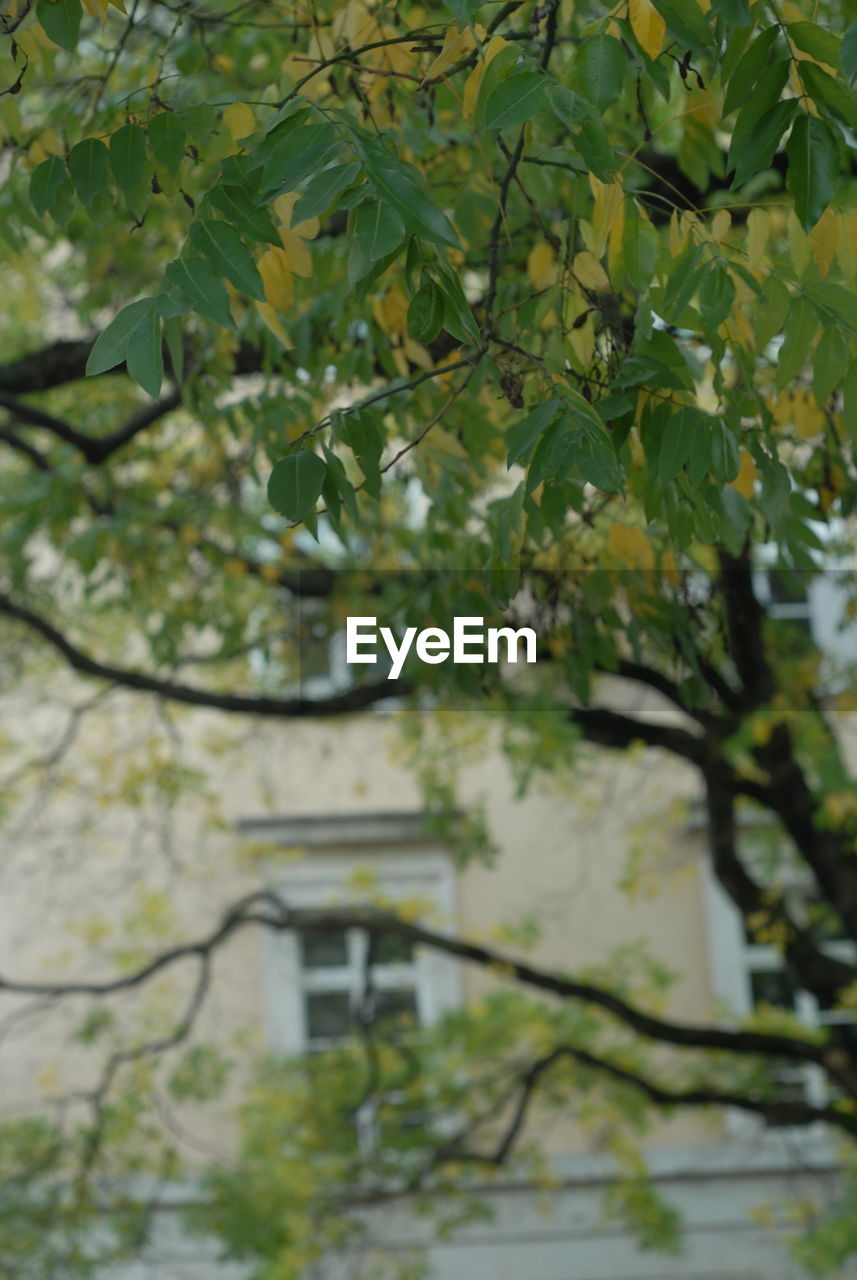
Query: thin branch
x=265, y=908
x=357, y=698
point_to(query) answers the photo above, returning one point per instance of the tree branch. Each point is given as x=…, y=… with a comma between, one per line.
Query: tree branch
x=267, y=909
x=357, y=698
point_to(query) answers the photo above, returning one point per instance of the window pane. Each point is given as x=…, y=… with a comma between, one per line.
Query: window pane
x=396, y=1002
x=791, y=1087
x=324, y=949
x=773, y=986
x=328, y=1015
x=393, y=950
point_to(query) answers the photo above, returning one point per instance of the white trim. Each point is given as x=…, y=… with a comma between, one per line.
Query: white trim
x=346, y=831
x=322, y=878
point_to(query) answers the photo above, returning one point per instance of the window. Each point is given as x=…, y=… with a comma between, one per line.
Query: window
x=334, y=969
x=749, y=972
x=811, y=606
x=316, y=981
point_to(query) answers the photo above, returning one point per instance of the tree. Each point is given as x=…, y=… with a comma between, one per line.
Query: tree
x=519, y=303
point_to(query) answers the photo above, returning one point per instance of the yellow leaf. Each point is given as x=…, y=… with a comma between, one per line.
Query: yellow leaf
x=541, y=266
x=97, y=8
x=582, y=343
x=758, y=231
x=277, y=280
x=615, y=254
x=744, y=482
x=608, y=202
x=798, y=244
x=239, y=120
x=269, y=317
x=847, y=253
x=808, y=419
x=631, y=547
x=353, y=24
x=474, y=80
x=720, y=224
x=417, y=353
x=391, y=312
x=648, y=26
x=296, y=255
x=824, y=240
x=589, y=273
x=456, y=45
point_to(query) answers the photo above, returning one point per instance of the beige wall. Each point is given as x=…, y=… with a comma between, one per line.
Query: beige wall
x=77, y=891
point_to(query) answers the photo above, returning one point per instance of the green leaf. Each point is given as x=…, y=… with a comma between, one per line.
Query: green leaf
x=681, y=284
x=834, y=303
x=457, y=315
x=403, y=187
x=570, y=107
x=641, y=246
x=61, y=21
x=680, y=439
x=829, y=365
x=89, y=164
x=593, y=143
x=207, y=293
x=687, y=23
x=228, y=255
x=828, y=94
x=770, y=315
x=129, y=160
x=522, y=435
x=168, y=139
x=601, y=65
x=111, y=347
x=362, y=432
x=716, y=295
x=723, y=449
x=378, y=229
x=295, y=484
x=815, y=41
x=760, y=125
x=848, y=52
x=746, y=75
x=596, y=461
x=735, y=13
x=425, y=313
x=144, y=356
x=798, y=332
x=295, y=155
x=516, y=99
x=323, y=189
x=173, y=336
x=500, y=66
x=849, y=396
x=238, y=208
x=464, y=10
x=813, y=168
x=45, y=182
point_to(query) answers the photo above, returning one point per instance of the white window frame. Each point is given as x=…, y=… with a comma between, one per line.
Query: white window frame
x=733, y=959
x=823, y=609
x=350, y=979
x=406, y=864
